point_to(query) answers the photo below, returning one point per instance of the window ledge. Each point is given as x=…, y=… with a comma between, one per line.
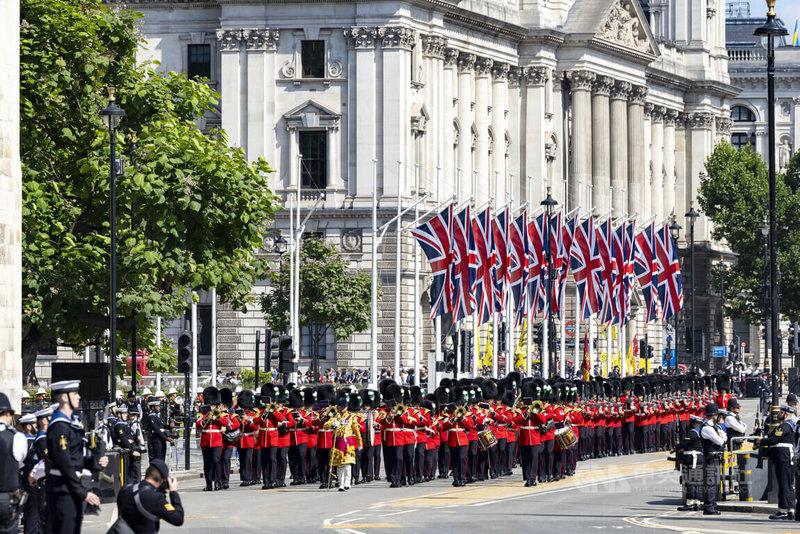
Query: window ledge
x=297, y=82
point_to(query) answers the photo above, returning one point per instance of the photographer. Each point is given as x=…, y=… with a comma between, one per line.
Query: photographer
x=142, y=506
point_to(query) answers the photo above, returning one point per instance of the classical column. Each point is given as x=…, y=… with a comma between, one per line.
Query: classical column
x=657, y=161
x=682, y=141
x=516, y=122
x=440, y=133
x=535, y=79
x=636, y=163
x=396, y=43
x=450, y=153
x=619, y=145
x=581, y=87
x=724, y=124
x=601, y=143
x=701, y=125
x=466, y=65
x=260, y=45
x=668, y=203
x=11, y=212
x=230, y=44
x=796, y=124
x=483, y=72
x=362, y=106
x=499, y=105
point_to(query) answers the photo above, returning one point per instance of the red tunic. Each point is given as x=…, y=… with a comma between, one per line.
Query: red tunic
x=457, y=431
x=211, y=430
x=393, y=429
x=302, y=423
x=528, y=429
x=275, y=428
x=247, y=440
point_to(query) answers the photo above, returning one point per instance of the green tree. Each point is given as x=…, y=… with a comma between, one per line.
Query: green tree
x=331, y=297
x=191, y=210
x=733, y=193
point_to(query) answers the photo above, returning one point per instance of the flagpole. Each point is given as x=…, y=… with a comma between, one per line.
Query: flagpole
x=578, y=315
x=529, y=319
x=397, y=274
x=374, y=282
x=296, y=341
x=496, y=315
x=623, y=323
x=609, y=329
x=510, y=329
x=416, y=338
x=562, y=355
x=437, y=321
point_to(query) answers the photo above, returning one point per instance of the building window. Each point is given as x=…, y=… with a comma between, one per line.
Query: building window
x=742, y=114
x=308, y=344
x=313, y=59
x=199, y=61
x=314, y=148
x=740, y=140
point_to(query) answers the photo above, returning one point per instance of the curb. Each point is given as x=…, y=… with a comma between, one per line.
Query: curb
x=747, y=508
x=187, y=475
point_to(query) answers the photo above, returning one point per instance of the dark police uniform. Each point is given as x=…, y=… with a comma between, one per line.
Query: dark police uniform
x=143, y=517
x=781, y=451
x=67, y=458
x=123, y=438
x=9, y=473
x=714, y=439
x=158, y=436
x=692, y=469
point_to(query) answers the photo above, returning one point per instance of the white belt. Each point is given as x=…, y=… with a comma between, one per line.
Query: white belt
x=57, y=472
x=394, y=429
x=694, y=454
x=248, y=434
x=296, y=429
x=421, y=428
x=529, y=427
x=269, y=428
x=784, y=445
x=213, y=430
x=456, y=430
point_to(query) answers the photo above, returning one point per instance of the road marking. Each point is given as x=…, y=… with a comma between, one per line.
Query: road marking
x=400, y=512
x=485, y=503
x=646, y=521
x=360, y=525
x=348, y=513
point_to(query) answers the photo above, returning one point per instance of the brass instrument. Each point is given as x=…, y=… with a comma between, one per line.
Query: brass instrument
x=215, y=414
x=536, y=407
x=399, y=410
x=460, y=413
x=331, y=411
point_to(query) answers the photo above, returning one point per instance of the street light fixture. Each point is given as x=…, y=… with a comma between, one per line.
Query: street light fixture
x=549, y=203
x=722, y=266
x=770, y=30
x=675, y=232
x=692, y=215
x=112, y=115
x=764, y=228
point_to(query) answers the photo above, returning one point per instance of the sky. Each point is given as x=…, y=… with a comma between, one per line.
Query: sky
x=787, y=10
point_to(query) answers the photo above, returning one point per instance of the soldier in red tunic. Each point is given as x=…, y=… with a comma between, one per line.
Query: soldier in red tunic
x=458, y=425
x=212, y=423
x=247, y=439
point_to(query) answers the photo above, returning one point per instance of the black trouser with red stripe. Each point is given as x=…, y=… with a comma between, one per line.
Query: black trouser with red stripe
x=245, y=464
x=211, y=458
x=529, y=459
x=546, y=460
x=458, y=457
x=297, y=461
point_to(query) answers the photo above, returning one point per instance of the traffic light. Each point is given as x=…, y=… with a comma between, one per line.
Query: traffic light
x=286, y=362
x=642, y=348
x=649, y=351
x=538, y=336
x=449, y=360
x=465, y=349
x=503, y=338
x=699, y=340
x=792, y=338
x=272, y=347
x=185, y=352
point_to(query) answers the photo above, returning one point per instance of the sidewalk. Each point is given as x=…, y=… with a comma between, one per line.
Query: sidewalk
x=748, y=507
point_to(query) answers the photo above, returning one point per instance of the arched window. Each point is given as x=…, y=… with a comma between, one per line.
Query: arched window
x=742, y=114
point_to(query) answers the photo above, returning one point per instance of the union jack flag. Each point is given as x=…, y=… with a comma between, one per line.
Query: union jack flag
x=586, y=266
x=566, y=236
x=670, y=287
x=518, y=266
x=500, y=235
x=436, y=239
x=484, y=246
x=608, y=309
x=465, y=266
x=647, y=270
x=623, y=263
x=537, y=267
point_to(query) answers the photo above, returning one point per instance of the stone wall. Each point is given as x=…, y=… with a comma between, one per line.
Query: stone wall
x=10, y=206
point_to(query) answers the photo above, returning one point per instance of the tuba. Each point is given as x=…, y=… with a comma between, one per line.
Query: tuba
x=399, y=409
x=460, y=413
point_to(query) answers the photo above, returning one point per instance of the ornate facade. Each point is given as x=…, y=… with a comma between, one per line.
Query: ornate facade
x=613, y=106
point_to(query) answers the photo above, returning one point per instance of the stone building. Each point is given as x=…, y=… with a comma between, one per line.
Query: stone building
x=11, y=211
x=614, y=104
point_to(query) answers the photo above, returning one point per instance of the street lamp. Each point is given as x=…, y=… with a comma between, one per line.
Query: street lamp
x=765, y=234
x=722, y=266
x=770, y=30
x=675, y=232
x=549, y=204
x=111, y=116
x=692, y=215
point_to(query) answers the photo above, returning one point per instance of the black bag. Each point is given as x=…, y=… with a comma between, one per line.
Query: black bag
x=232, y=436
x=120, y=526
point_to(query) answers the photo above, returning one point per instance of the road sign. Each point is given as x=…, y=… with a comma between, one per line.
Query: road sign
x=720, y=352
x=569, y=328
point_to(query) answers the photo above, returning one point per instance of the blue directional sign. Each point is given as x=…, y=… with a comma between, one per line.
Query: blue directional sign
x=721, y=352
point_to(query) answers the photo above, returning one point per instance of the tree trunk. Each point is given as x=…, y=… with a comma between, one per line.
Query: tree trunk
x=31, y=341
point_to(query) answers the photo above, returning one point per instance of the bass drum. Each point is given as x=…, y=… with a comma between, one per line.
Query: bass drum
x=486, y=439
x=565, y=436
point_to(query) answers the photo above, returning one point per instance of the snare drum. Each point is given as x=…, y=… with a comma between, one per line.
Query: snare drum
x=486, y=439
x=565, y=436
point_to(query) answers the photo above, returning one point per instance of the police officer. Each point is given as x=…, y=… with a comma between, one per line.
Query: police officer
x=125, y=440
x=734, y=426
x=781, y=442
x=66, y=460
x=13, y=449
x=690, y=453
x=714, y=439
x=34, y=509
x=764, y=393
x=144, y=505
x=157, y=428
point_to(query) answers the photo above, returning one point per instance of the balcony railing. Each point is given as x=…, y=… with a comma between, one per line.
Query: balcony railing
x=747, y=55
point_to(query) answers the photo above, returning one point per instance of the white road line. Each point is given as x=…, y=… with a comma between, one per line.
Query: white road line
x=400, y=512
x=348, y=513
x=326, y=522
x=351, y=531
x=346, y=521
x=485, y=503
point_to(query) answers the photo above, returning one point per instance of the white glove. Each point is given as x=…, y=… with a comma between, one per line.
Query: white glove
x=335, y=424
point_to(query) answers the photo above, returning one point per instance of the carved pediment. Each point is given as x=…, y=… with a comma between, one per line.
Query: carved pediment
x=311, y=114
x=625, y=26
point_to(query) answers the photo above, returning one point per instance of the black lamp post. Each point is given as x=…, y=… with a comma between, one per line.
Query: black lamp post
x=111, y=116
x=131, y=153
x=770, y=30
x=722, y=266
x=692, y=215
x=764, y=228
x=675, y=232
x=549, y=203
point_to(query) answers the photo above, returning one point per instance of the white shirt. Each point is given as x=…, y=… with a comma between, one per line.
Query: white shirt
x=19, y=447
x=713, y=434
x=733, y=422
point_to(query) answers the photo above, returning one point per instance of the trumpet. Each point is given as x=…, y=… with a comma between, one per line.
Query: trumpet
x=536, y=407
x=271, y=408
x=460, y=413
x=399, y=409
x=215, y=413
x=331, y=411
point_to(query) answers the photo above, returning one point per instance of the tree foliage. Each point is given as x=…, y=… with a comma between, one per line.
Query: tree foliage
x=733, y=194
x=331, y=296
x=190, y=209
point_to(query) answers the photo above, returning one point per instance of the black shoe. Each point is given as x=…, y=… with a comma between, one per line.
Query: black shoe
x=356, y=481
x=377, y=477
x=92, y=509
x=394, y=485
x=533, y=482
x=225, y=486
x=265, y=487
x=208, y=488
x=527, y=483
x=244, y=483
x=323, y=486
x=790, y=513
x=712, y=511
x=341, y=489
x=687, y=508
x=780, y=516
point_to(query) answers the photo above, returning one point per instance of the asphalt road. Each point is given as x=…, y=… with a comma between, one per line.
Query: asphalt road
x=629, y=493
